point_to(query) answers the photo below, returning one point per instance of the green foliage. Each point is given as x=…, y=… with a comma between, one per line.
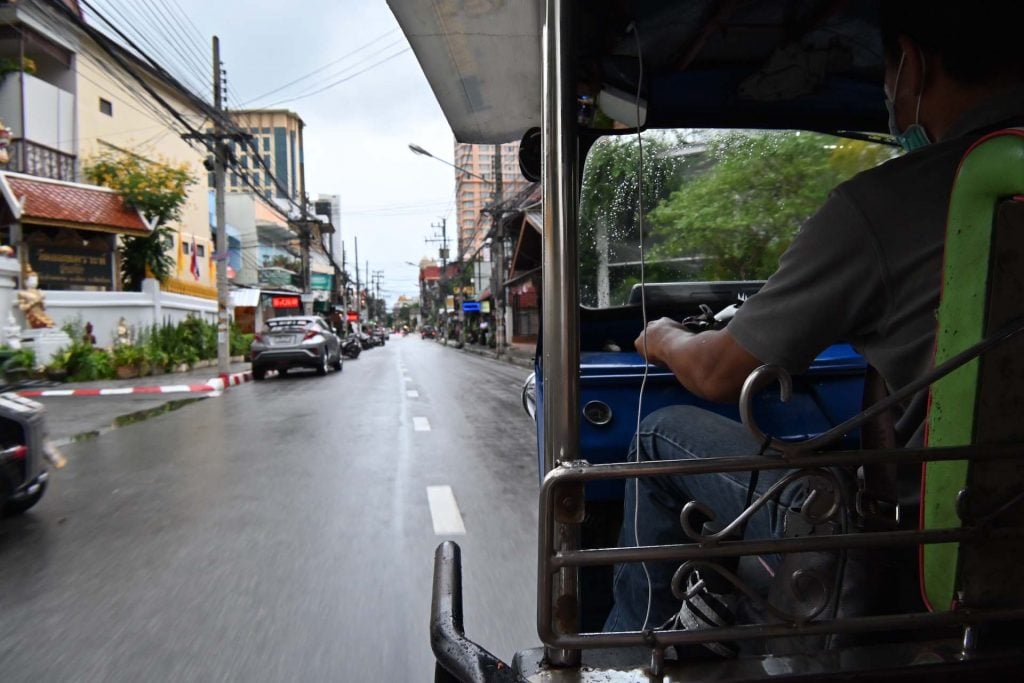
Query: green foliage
x=611, y=199
x=239, y=341
x=22, y=359
x=158, y=347
x=741, y=214
x=83, y=362
x=158, y=190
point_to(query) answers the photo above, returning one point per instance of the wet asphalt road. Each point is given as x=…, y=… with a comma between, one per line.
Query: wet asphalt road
x=280, y=532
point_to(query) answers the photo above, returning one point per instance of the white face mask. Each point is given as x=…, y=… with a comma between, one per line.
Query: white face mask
x=915, y=136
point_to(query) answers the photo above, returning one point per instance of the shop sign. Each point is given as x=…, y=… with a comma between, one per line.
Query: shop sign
x=61, y=266
x=321, y=281
x=449, y=303
x=470, y=306
x=485, y=306
x=285, y=302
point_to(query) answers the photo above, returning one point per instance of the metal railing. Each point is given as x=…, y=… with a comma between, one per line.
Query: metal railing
x=35, y=159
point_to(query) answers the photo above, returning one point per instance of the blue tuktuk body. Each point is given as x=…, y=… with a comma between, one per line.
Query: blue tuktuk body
x=830, y=391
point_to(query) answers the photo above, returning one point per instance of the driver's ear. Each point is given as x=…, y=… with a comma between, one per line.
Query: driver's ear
x=914, y=74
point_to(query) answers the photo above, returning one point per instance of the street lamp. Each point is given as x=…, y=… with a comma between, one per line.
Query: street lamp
x=496, y=199
x=416, y=149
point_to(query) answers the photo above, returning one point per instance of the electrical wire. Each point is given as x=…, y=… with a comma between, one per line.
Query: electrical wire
x=322, y=68
x=643, y=313
x=340, y=81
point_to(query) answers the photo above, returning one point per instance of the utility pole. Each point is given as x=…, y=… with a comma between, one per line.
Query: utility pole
x=443, y=253
x=359, y=312
x=368, y=290
x=344, y=290
x=498, y=243
x=223, y=338
x=378, y=276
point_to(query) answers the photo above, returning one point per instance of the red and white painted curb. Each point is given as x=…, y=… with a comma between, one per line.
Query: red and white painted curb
x=212, y=387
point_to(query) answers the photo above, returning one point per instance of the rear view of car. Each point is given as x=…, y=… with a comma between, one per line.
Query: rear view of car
x=295, y=342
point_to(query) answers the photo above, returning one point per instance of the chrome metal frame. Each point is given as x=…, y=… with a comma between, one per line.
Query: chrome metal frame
x=560, y=298
x=555, y=560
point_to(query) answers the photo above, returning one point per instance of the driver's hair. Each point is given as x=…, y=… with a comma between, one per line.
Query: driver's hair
x=978, y=42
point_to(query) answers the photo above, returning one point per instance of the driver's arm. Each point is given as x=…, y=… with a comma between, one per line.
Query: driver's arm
x=711, y=365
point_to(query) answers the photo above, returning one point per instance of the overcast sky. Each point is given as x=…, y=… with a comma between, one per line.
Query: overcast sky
x=357, y=132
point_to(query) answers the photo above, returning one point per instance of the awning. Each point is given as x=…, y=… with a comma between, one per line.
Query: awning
x=245, y=298
x=470, y=53
x=42, y=201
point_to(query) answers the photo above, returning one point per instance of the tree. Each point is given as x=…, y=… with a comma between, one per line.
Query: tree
x=609, y=220
x=158, y=190
x=742, y=213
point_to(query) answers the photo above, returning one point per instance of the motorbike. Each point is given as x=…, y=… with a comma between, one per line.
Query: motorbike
x=350, y=347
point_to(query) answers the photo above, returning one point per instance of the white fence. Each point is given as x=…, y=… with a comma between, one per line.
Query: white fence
x=139, y=309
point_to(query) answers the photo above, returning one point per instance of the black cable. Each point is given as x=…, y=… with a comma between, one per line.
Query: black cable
x=324, y=67
x=340, y=81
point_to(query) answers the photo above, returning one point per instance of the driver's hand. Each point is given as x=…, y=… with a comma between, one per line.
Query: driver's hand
x=653, y=343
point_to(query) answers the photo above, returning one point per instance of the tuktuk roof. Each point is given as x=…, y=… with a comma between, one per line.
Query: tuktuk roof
x=815, y=64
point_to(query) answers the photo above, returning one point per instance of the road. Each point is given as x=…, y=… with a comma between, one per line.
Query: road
x=282, y=531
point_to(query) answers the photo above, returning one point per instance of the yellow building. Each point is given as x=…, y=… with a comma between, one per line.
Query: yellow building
x=77, y=98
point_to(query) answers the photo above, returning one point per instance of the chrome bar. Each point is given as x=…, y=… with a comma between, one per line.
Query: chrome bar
x=555, y=559
x=898, y=622
x=693, y=551
x=560, y=299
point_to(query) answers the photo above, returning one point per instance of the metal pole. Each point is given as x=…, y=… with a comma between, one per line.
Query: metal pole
x=498, y=291
x=560, y=299
x=223, y=348
x=359, y=313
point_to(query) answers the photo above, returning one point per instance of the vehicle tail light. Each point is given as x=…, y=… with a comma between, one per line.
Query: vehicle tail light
x=15, y=452
x=310, y=334
x=257, y=337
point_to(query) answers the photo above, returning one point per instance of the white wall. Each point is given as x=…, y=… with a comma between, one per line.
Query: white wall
x=139, y=309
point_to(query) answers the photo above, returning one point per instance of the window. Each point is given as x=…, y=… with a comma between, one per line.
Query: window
x=266, y=144
x=106, y=107
x=185, y=248
x=200, y=250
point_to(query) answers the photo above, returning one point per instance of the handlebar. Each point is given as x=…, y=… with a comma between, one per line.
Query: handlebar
x=458, y=658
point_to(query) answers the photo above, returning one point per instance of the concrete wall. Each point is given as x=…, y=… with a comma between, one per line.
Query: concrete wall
x=140, y=309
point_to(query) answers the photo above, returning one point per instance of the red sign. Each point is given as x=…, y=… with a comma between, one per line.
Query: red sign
x=352, y=316
x=285, y=302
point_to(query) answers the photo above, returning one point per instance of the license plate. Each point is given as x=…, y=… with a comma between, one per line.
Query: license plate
x=282, y=341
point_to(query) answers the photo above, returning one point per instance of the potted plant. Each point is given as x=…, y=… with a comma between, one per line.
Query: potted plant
x=126, y=360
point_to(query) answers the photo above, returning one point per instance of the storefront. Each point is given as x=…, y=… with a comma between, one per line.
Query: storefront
x=66, y=232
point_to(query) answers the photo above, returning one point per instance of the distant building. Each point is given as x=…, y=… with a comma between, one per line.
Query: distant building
x=473, y=194
x=276, y=144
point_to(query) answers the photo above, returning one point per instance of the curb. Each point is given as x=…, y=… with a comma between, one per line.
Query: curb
x=212, y=387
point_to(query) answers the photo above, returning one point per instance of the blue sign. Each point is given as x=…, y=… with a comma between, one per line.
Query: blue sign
x=470, y=306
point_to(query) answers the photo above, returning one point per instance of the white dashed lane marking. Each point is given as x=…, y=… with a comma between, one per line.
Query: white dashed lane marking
x=412, y=393
x=421, y=424
x=444, y=511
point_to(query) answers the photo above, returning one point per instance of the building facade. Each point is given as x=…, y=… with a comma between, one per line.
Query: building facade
x=73, y=99
x=473, y=193
x=276, y=144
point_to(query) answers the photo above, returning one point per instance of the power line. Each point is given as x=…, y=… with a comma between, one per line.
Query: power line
x=340, y=81
x=324, y=67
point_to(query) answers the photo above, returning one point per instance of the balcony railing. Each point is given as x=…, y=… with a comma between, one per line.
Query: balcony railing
x=40, y=160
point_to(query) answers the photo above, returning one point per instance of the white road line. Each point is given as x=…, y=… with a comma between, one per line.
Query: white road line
x=412, y=393
x=407, y=379
x=444, y=511
x=117, y=392
x=421, y=424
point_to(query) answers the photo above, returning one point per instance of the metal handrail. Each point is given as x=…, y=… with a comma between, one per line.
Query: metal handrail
x=756, y=381
x=554, y=560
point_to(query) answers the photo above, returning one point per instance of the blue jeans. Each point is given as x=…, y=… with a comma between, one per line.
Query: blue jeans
x=654, y=504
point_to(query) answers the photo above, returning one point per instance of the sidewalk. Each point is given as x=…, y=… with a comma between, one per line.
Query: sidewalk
x=515, y=354
x=80, y=410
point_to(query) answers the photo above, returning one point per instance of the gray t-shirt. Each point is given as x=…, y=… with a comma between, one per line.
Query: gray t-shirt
x=866, y=269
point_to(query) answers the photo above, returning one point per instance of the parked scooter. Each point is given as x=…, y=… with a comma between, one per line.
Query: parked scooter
x=350, y=347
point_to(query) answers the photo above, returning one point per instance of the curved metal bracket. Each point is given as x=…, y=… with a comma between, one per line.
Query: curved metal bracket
x=788, y=449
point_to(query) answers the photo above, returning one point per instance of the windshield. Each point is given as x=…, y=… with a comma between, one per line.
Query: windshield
x=715, y=204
